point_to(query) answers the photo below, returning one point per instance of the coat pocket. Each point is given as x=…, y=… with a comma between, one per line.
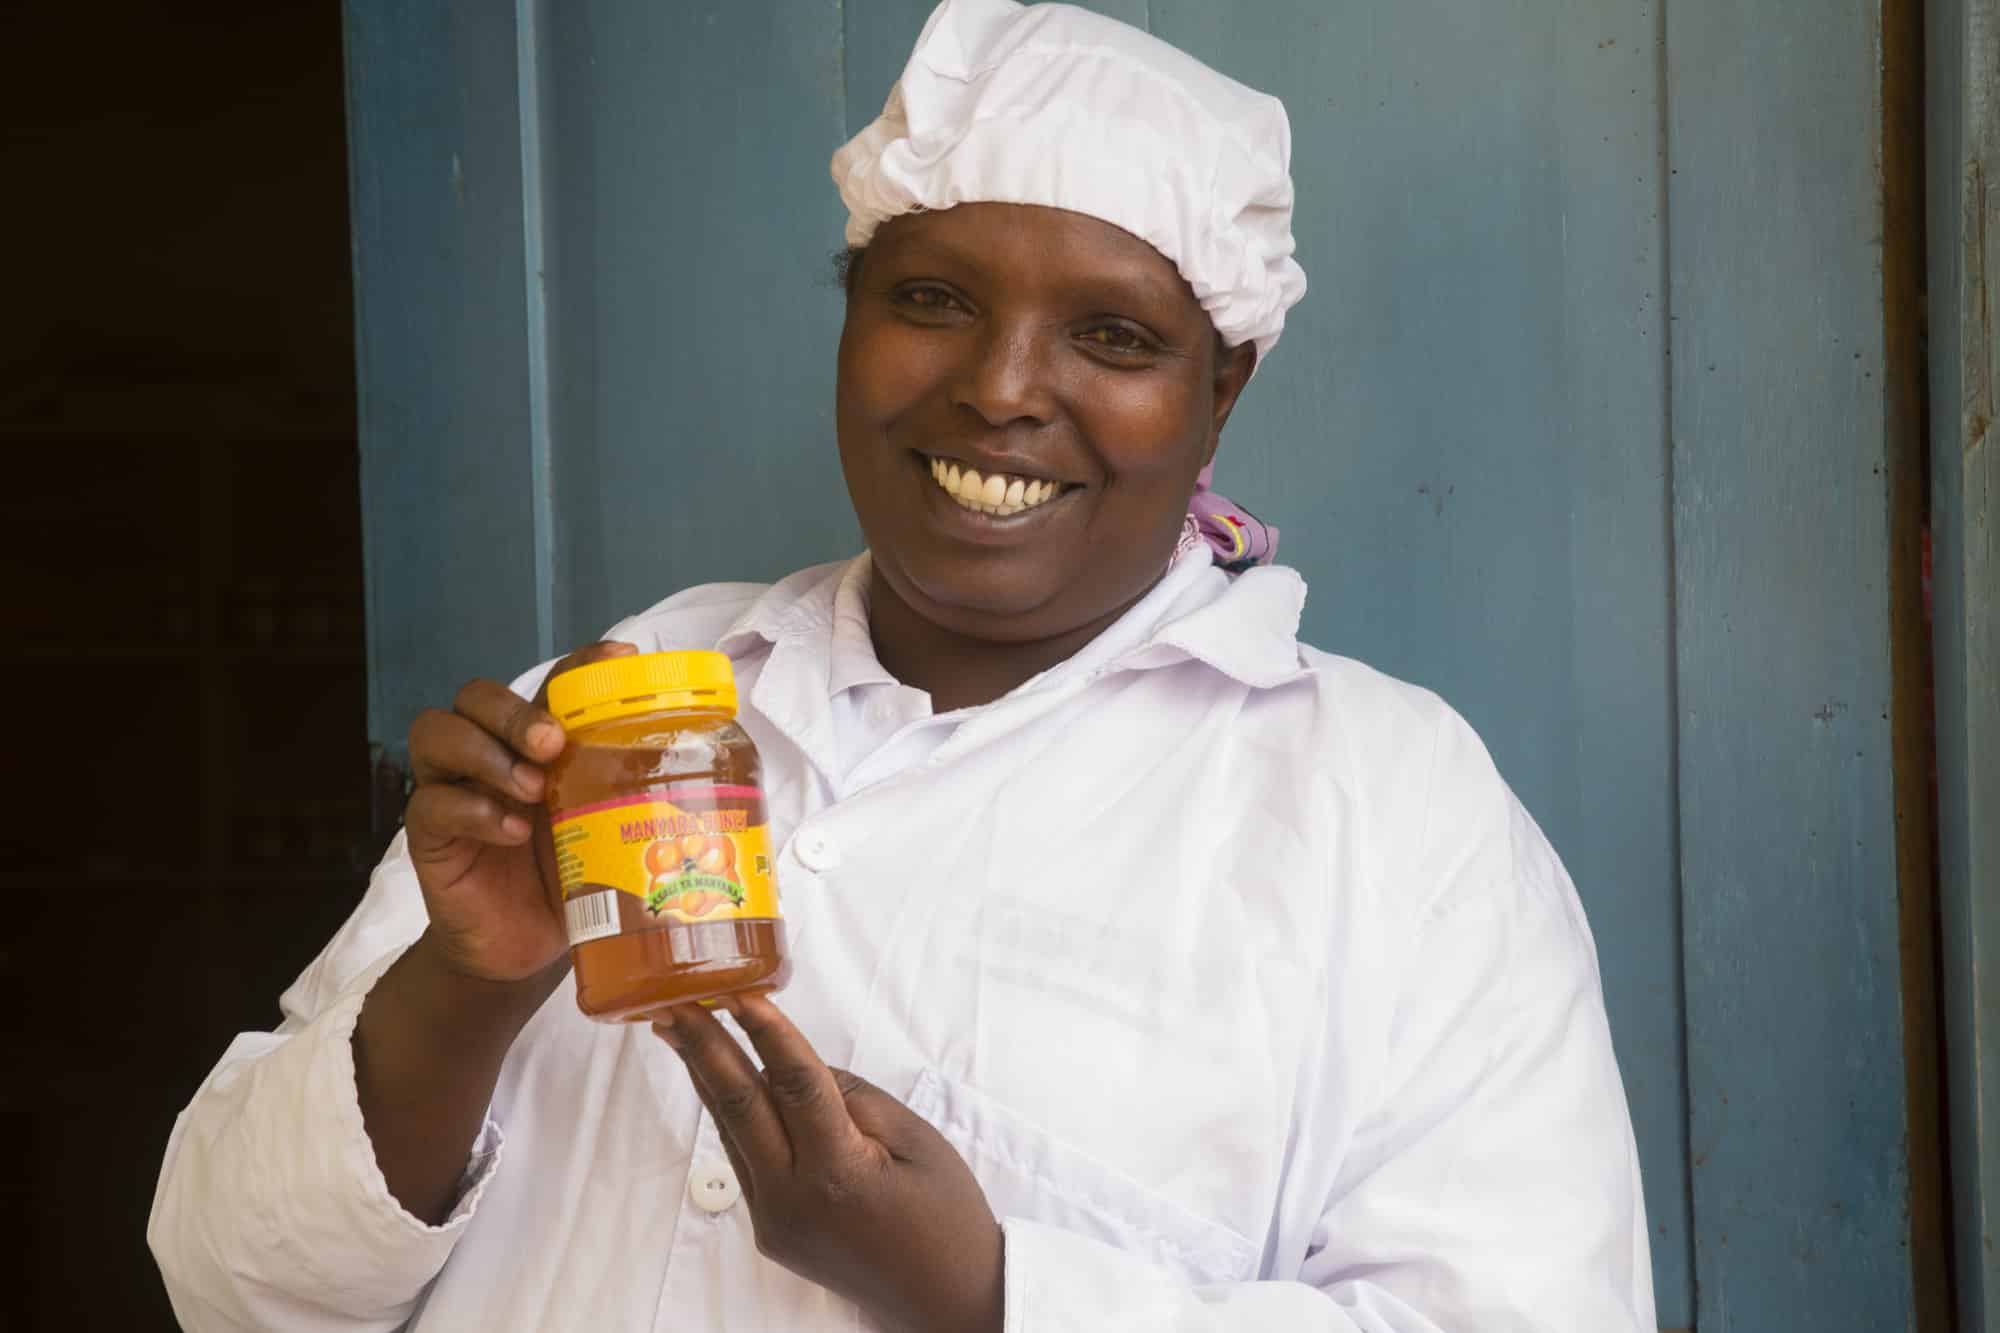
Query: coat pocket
x=1028, y=1173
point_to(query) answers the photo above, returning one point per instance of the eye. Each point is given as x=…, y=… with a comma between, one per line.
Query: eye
x=1121, y=338
x=929, y=297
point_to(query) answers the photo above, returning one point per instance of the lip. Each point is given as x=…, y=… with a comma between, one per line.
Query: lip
x=970, y=524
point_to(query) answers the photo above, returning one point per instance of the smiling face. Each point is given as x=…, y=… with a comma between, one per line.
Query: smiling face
x=1068, y=365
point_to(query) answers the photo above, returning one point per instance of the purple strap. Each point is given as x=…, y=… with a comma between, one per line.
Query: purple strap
x=1238, y=538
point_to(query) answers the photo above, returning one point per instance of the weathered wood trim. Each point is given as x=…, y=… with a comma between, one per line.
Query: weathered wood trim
x=1799, y=1114
x=1911, y=731
x=441, y=351
x=1962, y=137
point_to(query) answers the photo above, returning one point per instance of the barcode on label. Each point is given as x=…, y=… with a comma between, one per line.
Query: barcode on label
x=592, y=916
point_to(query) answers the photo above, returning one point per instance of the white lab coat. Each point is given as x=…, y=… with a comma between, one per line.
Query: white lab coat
x=1250, y=993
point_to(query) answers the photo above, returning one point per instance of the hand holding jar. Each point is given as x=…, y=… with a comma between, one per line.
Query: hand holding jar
x=478, y=833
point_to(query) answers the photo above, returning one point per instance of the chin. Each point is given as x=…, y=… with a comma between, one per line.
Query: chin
x=979, y=601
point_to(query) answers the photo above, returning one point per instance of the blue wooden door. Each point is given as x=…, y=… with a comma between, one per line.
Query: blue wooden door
x=1581, y=425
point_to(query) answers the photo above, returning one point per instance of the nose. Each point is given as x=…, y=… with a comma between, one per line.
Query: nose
x=1006, y=377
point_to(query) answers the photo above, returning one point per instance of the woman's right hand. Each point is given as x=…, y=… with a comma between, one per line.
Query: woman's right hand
x=478, y=832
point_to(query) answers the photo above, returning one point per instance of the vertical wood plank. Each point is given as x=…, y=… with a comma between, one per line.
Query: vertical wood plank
x=1963, y=158
x=1790, y=902
x=529, y=16
x=1463, y=434
x=692, y=315
x=1912, y=733
x=435, y=165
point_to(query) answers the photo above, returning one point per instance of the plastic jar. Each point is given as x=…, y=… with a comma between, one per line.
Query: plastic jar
x=662, y=838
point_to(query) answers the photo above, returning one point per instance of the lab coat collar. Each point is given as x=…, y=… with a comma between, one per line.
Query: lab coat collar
x=851, y=659
x=1248, y=629
x=1245, y=626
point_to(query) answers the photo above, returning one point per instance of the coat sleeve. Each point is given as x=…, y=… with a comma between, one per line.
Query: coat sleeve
x=1493, y=1184
x=270, y=1211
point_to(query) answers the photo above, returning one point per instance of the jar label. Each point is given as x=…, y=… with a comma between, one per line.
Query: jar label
x=683, y=854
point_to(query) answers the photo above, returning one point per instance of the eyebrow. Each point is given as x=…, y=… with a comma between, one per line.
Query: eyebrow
x=1127, y=279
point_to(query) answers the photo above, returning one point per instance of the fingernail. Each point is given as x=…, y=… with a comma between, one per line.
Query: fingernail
x=514, y=826
x=528, y=780
x=665, y=1029
x=544, y=734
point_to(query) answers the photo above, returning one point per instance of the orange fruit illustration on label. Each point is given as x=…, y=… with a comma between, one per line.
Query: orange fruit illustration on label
x=663, y=858
x=692, y=874
x=707, y=853
x=700, y=903
x=718, y=858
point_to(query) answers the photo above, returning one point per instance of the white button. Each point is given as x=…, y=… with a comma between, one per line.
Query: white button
x=712, y=1186
x=817, y=852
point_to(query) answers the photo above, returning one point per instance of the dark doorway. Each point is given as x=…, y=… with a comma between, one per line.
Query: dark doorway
x=182, y=553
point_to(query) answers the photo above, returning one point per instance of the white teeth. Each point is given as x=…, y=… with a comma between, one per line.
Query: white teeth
x=999, y=494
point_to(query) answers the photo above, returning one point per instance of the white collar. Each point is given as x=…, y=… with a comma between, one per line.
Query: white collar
x=1244, y=626
x=851, y=658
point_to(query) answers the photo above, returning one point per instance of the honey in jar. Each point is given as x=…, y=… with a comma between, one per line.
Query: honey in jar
x=662, y=838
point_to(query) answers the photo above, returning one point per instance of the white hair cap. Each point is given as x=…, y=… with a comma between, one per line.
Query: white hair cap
x=1053, y=105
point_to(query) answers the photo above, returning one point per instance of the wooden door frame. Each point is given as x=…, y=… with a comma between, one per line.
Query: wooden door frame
x=1962, y=133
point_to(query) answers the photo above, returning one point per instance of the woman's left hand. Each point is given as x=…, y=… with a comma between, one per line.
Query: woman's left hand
x=847, y=1187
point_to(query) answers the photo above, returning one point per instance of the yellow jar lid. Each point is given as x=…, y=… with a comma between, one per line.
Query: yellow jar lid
x=643, y=683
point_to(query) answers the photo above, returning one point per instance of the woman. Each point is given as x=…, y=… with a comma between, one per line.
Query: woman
x=1173, y=974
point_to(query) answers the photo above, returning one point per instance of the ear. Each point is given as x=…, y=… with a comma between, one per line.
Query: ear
x=1232, y=371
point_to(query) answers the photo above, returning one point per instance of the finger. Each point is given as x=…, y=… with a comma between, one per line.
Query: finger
x=746, y=1179
x=450, y=747
x=729, y=1086
x=526, y=729
x=886, y=1119
x=802, y=1088
x=441, y=815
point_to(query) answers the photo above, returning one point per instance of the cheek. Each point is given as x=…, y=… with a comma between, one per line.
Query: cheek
x=1150, y=435
x=882, y=373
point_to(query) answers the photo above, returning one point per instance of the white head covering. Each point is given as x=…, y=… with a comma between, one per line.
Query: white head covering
x=1053, y=105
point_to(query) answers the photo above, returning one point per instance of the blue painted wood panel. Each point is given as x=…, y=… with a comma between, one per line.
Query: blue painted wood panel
x=692, y=319
x=1789, y=892
x=434, y=145
x=1963, y=142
